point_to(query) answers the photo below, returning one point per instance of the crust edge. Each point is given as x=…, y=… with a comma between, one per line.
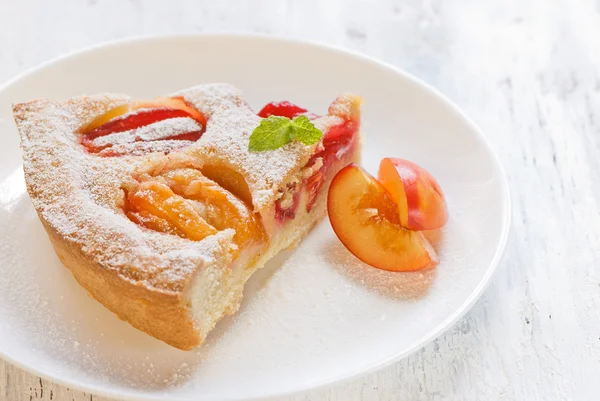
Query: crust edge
x=165, y=316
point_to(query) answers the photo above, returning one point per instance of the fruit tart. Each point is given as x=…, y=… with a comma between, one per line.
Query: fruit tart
x=162, y=209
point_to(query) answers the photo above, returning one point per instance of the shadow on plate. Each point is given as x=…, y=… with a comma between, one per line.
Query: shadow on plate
x=395, y=285
x=256, y=283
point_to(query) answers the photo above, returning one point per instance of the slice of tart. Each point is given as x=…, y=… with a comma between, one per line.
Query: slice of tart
x=159, y=209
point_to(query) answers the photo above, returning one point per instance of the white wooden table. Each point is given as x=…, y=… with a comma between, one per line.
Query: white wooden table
x=528, y=72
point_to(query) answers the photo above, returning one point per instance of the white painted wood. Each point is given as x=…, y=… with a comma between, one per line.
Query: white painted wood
x=529, y=75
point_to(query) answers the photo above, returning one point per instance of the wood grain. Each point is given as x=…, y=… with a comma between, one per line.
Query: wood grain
x=529, y=75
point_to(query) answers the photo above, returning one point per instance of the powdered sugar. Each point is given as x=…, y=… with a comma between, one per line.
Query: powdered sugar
x=79, y=196
x=142, y=148
x=156, y=131
x=230, y=123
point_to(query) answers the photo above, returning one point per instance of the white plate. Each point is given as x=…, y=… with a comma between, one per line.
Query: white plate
x=312, y=317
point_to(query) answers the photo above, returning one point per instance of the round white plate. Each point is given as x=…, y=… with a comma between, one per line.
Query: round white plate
x=310, y=318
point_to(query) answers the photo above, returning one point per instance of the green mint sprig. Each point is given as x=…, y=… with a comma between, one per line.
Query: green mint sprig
x=275, y=131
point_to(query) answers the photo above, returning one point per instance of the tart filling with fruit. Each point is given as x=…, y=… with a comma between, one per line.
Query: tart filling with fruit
x=163, y=209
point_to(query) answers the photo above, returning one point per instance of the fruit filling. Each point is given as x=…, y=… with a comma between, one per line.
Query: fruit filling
x=287, y=205
x=137, y=128
x=281, y=109
x=338, y=141
x=154, y=205
x=337, y=145
x=184, y=202
x=230, y=180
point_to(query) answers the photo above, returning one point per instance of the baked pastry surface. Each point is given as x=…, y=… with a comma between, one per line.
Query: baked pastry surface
x=166, y=283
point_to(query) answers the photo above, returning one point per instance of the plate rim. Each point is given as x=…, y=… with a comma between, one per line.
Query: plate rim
x=316, y=385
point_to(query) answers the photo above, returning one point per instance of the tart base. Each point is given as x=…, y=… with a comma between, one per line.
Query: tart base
x=163, y=315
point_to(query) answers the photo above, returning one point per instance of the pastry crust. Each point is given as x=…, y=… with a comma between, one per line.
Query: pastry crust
x=169, y=287
x=162, y=314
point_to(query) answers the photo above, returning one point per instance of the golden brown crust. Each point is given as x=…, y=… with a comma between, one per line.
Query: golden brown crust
x=164, y=315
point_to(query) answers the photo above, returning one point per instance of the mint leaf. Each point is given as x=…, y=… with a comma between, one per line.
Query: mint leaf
x=305, y=131
x=272, y=133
